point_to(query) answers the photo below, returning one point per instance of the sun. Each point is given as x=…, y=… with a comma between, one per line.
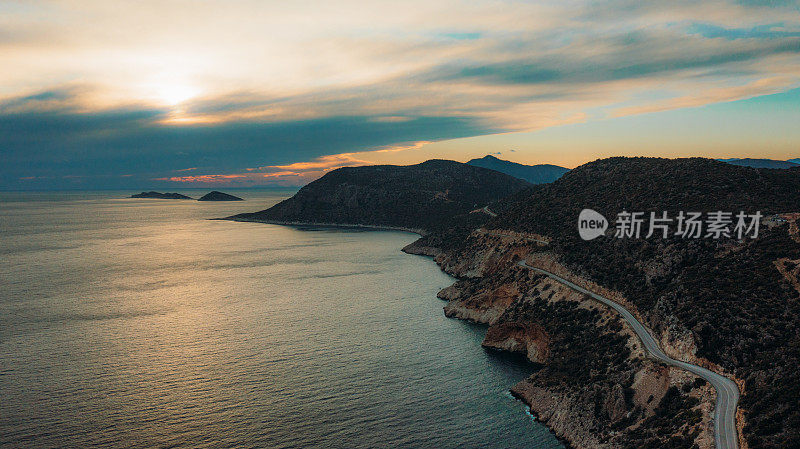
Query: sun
x=175, y=94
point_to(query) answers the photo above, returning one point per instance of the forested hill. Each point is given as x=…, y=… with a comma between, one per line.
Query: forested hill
x=425, y=196
x=652, y=184
x=738, y=301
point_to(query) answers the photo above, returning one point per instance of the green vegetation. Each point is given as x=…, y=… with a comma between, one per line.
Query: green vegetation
x=424, y=196
x=728, y=295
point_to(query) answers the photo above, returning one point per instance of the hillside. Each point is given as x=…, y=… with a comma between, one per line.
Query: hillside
x=424, y=196
x=534, y=174
x=651, y=184
x=735, y=304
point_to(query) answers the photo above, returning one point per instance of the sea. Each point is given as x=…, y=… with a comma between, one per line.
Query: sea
x=141, y=323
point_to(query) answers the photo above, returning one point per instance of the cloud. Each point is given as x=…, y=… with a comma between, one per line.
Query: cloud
x=642, y=54
x=203, y=179
x=710, y=96
x=100, y=145
x=295, y=174
x=772, y=31
x=225, y=86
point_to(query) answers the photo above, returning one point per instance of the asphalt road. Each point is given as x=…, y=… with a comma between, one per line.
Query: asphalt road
x=725, y=433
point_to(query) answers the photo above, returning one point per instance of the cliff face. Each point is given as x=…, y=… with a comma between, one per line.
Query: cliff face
x=526, y=338
x=595, y=388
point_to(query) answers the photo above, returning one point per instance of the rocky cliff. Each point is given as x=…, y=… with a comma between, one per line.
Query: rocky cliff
x=595, y=388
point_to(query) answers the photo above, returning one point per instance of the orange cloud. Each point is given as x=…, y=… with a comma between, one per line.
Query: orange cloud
x=324, y=162
x=206, y=179
x=280, y=174
x=296, y=174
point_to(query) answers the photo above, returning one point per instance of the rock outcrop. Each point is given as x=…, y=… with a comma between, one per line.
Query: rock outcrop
x=595, y=387
x=529, y=339
x=219, y=196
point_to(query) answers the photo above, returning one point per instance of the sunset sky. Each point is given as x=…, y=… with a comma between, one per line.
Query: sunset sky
x=147, y=94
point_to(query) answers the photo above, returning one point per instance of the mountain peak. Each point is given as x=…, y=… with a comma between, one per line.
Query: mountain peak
x=535, y=174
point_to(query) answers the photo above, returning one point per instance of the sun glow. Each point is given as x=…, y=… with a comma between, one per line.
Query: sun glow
x=175, y=94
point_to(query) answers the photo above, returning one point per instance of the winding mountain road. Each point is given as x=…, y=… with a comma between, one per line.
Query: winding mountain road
x=725, y=433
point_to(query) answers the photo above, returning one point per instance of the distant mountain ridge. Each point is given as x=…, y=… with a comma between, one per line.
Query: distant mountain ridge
x=762, y=163
x=422, y=197
x=534, y=174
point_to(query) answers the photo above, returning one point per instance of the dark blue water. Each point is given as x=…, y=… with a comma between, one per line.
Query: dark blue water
x=138, y=323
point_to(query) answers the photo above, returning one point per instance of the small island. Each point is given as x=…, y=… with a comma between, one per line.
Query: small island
x=162, y=196
x=219, y=196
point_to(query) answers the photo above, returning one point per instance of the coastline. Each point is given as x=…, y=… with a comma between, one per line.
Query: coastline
x=484, y=294
x=529, y=409
x=570, y=423
x=419, y=232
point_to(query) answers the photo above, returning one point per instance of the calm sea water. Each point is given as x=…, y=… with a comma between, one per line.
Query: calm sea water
x=139, y=323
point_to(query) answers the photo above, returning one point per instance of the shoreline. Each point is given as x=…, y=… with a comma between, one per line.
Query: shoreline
x=419, y=232
x=535, y=417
